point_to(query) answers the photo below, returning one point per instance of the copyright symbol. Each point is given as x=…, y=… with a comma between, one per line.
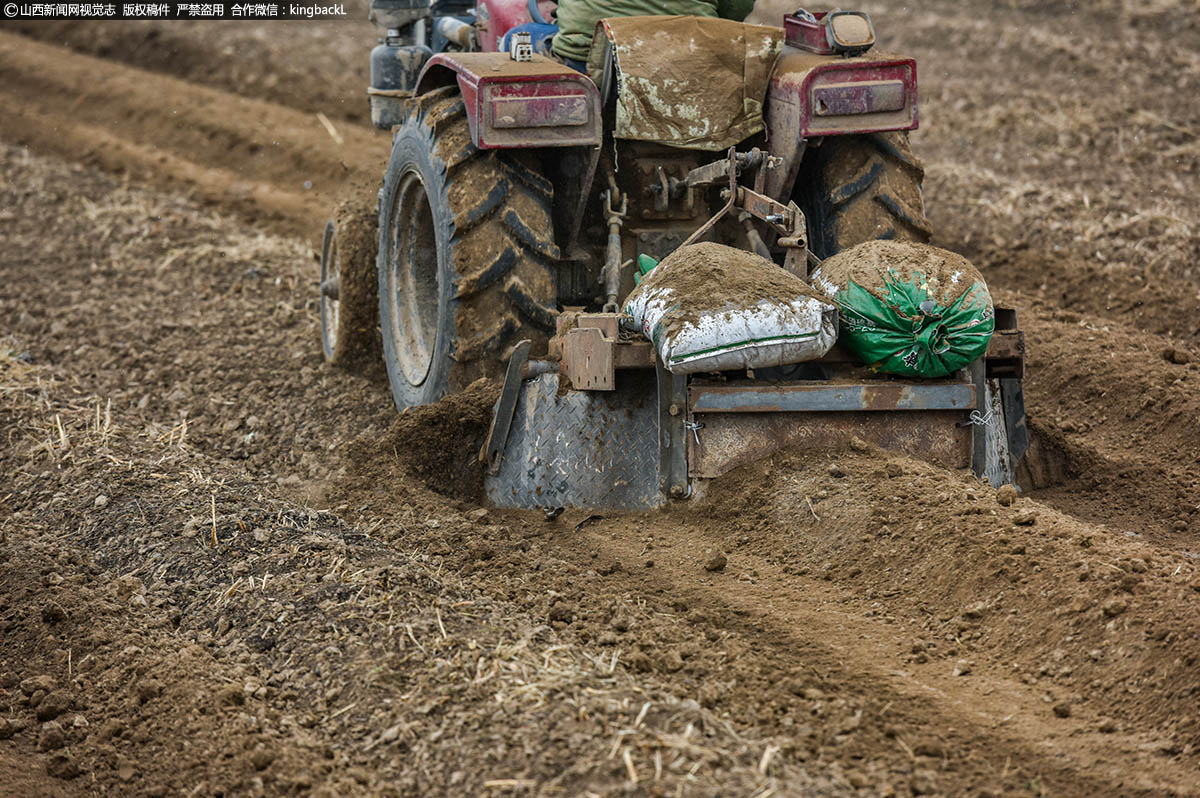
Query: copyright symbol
x=10, y=10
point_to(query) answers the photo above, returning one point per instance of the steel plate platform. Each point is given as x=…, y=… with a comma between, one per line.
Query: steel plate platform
x=596, y=450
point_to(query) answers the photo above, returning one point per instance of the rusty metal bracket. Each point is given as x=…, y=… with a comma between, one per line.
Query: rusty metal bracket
x=493, y=449
x=672, y=433
x=731, y=165
x=820, y=397
x=786, y=220
x=590, y=350
x=1005, y=354
x=712, y=173
x=612, y=260
x=587, y=358
x=670, y=188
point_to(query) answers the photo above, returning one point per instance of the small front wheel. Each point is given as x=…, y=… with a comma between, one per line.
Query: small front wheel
x=330, y=291
x=348, y=303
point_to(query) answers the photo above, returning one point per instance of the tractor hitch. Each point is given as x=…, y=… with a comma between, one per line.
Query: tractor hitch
x=787, y=221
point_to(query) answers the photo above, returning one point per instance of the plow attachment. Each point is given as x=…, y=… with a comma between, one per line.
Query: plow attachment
x=608, y=428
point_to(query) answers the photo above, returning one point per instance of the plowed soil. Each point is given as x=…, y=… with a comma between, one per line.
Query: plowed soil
x=228, y=569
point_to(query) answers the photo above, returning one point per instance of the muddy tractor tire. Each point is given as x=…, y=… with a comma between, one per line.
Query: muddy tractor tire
x=861, y=188
x=466, y=255
x=348, y=301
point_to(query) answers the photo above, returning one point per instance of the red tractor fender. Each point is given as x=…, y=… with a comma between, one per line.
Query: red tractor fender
x=811, y=94
x=514, y=104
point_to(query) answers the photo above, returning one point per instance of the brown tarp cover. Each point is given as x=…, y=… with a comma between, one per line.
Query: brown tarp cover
x=577, y=18
x=691, y=82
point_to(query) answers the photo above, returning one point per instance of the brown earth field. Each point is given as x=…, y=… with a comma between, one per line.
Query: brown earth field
x=227, y=569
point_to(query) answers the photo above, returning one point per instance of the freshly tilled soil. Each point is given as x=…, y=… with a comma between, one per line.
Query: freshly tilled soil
x=226, y=568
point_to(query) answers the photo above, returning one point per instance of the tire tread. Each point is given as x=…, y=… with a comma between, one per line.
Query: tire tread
x=862, y=177
x=503, y=264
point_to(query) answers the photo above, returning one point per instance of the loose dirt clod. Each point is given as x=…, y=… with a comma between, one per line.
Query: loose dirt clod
x=1115, y=606
x=53, y=705
x=1178, y=356
x=62, y=766
x=560, y=613
x=51, y=737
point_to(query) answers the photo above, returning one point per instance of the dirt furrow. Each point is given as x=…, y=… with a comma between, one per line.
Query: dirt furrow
x=271, y=163
x=833, y=622
x=780, y=642
x=312, y=66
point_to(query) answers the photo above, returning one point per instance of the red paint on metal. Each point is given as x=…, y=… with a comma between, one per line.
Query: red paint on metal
x=561, y=107
x=807, y=35
x=790, y=109
x=862, y=97
x=902, y=70
x=501, y=16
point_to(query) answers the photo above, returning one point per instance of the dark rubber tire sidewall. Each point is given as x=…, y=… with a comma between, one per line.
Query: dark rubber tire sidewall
x=897, y=172
x=413, y=151
x=328, y=337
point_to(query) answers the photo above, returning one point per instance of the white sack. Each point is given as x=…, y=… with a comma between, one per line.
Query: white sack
x=710, y=307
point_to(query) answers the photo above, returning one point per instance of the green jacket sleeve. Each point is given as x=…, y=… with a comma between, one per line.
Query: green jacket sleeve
x=736, y=10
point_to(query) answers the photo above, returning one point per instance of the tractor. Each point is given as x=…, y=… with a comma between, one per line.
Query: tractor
x=521, y=190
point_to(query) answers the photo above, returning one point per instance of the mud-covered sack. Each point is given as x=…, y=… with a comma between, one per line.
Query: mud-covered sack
x=709, y=307
x=909, y=309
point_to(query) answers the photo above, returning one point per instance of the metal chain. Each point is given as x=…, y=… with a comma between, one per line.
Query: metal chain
x=978, y=420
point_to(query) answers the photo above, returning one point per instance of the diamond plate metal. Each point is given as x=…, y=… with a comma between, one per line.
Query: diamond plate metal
x=595, y=450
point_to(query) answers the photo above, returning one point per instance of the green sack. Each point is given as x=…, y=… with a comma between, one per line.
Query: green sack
x=909, y=309
x=644, y=264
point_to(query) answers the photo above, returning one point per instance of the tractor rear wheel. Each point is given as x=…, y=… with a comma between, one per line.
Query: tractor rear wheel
x=860, y=188
x=466, y=256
